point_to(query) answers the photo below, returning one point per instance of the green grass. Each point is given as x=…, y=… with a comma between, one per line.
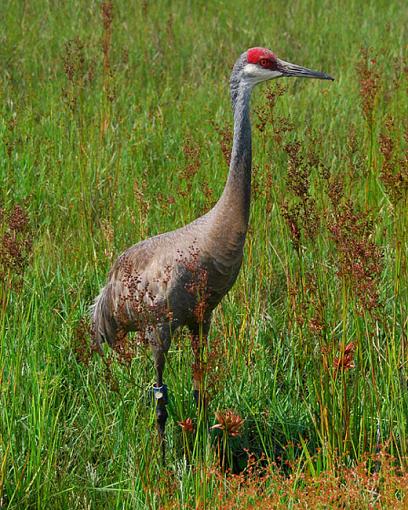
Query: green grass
x=95, y=156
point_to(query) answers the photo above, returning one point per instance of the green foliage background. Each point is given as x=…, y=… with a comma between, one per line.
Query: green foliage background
x=98, y=153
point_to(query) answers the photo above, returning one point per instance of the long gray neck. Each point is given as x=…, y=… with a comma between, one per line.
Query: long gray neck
x=235, y=200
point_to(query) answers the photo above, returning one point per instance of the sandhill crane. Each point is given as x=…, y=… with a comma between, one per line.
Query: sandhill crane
x=158, y=285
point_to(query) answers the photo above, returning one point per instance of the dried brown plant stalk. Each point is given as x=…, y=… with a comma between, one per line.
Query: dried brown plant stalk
x=15, y=249
x=359, y=259
x=369, y=80
x=394, y=169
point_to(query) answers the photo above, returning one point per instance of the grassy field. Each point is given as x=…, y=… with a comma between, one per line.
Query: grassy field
x=116, y=125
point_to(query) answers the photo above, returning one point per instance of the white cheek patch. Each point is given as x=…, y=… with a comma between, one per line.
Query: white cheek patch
x=254, y=70
x=256, y=74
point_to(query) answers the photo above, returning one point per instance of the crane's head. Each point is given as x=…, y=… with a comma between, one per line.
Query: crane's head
x=260, y=64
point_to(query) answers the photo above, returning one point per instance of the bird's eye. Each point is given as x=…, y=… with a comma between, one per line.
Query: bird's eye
x=263, y=62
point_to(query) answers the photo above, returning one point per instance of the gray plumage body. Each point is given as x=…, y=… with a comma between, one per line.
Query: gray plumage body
x=160, y=272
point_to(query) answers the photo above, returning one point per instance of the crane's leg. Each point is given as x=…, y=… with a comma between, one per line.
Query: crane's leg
x=199, y=334
x=159, y=340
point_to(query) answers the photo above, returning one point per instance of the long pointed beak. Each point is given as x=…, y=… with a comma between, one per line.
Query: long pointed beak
x=288, y=69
